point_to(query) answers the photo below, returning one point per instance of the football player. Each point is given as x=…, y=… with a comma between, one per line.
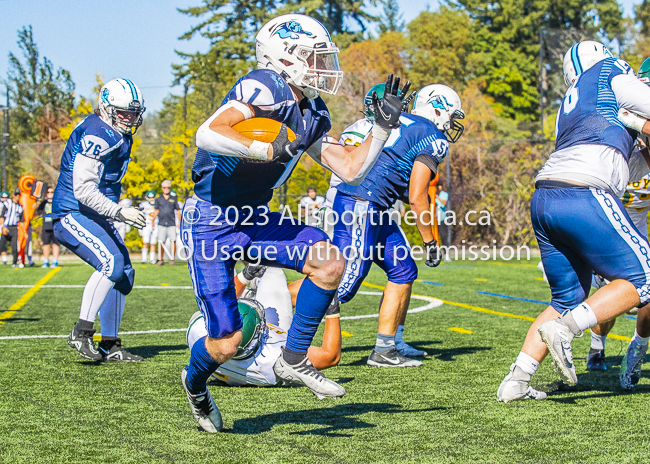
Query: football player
x=93, y=164
x=149, y=233
x=4, y=200
x=266, y=318
x=579, y=221
x=366, y=231
x=234, y=179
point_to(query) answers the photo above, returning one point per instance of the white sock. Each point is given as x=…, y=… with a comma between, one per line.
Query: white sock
x=584, y=316
x=4, y=258
x=526, y=363
x=144, y=255
x=110, y=314
x=152, y=256
x=94, y=295
x=597, y=341
x=643, y=341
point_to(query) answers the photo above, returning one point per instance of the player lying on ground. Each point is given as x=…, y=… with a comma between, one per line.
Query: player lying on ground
x=85, y=202
x=265, y=331
x=234, y=179
x=366, y=231
x=579, y=221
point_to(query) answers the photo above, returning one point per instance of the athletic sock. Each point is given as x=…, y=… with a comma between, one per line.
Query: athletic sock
x=311, y=305
x=292, y=357
x=145, y=253
x=110, y=314
x=399, y=336
x=526, y=363
x=580, y=318
x=94, y=295
x=201, y=367
x=643, y=341
x=84, y=325
x=4, y=259
x=384, y=343
x=152, y=256
x=597, y=341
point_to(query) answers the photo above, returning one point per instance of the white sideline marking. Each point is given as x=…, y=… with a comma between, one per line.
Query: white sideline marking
x=147, y=287
x=433, y=303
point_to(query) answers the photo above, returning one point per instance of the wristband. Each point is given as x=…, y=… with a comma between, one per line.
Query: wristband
x=243, y=279
x=259, y=150
x=380, y=133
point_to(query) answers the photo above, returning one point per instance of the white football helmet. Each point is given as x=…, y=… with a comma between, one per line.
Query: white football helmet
x=441, y=105
x=583, y=56
x=121, y=105
x=300, y=49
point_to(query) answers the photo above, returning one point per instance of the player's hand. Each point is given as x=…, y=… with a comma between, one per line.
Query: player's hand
x=389, y=108
x=131, y=216
x=631, y=120
x=253, y=270
x=5, y=231
x=283, y=149
x=407, y=101
x=434, y=257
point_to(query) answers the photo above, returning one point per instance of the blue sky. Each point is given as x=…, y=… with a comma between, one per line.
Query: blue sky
x=120, y=38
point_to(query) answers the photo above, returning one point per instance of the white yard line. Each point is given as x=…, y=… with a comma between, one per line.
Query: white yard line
x=432, y=303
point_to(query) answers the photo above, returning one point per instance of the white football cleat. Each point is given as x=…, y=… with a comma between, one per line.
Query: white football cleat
x=203, y=408
x=513, y=389
x=306, y=374
x=631, y=365
x=558, y=338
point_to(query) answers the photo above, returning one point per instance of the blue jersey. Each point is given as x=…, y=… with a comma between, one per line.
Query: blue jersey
x=227, y=180
x=94, y=139
x=388, y=180
x=589, y=112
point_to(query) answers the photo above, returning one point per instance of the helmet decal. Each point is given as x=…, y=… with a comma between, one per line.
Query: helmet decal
x=104, y=94
x=290, y=30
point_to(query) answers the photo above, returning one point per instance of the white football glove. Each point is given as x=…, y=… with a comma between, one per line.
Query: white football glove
x=631, y=120
x=131, y=216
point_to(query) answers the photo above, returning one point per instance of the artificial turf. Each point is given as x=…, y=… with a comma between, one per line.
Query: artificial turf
x=56, y=407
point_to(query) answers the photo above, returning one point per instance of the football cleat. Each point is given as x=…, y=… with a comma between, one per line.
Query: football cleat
x=111, y=350
x=408, y=351
x=306, y=374
x=631, y=365
x=391, y=358
x=82, y=341
x=596, y=360
x=558, y=337
x=513, y=389
x=203, y=407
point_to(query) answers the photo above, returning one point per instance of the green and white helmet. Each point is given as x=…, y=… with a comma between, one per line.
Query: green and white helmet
x=4, y=195
x=644, y=72
x=150, y=196
x=368, y=110
x=253, y=327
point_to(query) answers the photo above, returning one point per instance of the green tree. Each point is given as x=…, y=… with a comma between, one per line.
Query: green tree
x=506, y=43
x=391, y=19
x=42, y=96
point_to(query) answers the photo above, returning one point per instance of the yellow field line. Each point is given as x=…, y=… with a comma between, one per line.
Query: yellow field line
x=25, y=298
x=490, y=311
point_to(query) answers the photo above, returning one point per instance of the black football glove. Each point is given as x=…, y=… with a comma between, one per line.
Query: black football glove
x=253, y=270
x=283, y=150
x=334, y=308
x=389, y=108
x=407, y=101
x=434, y=257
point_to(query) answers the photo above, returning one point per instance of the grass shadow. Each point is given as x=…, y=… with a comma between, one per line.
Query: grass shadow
x=150, y=351
x=451, y=353
x=330, y=420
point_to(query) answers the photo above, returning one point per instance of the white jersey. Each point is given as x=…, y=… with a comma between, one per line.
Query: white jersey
x=148, y=210
x=637, y=194
x=354, y=135
x=273, y=294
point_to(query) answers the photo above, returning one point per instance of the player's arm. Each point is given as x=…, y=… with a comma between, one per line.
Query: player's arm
x=86, y=173
x=419, y=200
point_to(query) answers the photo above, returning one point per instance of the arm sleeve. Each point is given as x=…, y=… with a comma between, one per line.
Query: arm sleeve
x=85, y=180
x=213, y=142
x=638, y=166
x=428, y=162
x=632, y=94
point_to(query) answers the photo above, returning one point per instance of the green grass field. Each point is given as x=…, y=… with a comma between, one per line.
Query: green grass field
x=56, y=407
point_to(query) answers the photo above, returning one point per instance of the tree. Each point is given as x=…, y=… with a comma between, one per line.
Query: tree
x=506, y=43
x=391, y=19
x=43, y=97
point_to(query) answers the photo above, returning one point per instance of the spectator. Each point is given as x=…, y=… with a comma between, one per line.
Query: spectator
x=10, y=216
x=4, y=200
x=47, y=231
x=167, y=212
x=310, y=205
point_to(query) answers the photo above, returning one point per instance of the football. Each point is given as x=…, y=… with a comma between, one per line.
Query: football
x=261, y=129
